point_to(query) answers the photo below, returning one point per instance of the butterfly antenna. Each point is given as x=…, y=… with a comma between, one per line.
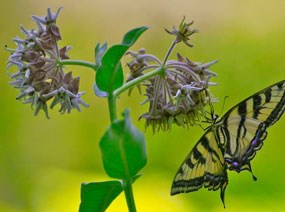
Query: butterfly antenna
x=201, y=127
x=223, y=106
x=212, y=111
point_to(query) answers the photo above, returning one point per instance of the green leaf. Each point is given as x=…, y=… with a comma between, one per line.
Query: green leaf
x=98, y=196
x=110, y=73
x=99, y=52
x=131, y=37
x=123, y=149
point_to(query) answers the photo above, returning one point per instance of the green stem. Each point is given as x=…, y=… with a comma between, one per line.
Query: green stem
x=112, y=97
x=169, y=51
x=138, y=80
x=128, y=189
x=112, y=107
x=78, y=63
x=127, y=183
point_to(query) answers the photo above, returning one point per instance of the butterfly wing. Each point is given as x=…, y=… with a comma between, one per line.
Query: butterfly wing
x=203, y=167
x=231, y=142
x=245, y=125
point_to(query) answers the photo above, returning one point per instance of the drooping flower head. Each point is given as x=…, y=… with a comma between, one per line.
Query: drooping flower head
x=39, y=77
x=181, y=93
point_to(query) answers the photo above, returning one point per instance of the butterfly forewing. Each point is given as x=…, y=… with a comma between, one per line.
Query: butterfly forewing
x=266, y=105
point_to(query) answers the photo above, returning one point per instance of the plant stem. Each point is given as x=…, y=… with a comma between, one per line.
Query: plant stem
x=169, y=51
x=112, y=107
x=112, y=98
x=127, y=183
x=78, y=63
x=138, y=80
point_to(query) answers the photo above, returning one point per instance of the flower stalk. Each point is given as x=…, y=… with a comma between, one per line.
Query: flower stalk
x=130, y=84
x=77, y=63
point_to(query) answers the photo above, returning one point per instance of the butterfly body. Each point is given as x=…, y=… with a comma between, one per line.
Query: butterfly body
x=231, y=142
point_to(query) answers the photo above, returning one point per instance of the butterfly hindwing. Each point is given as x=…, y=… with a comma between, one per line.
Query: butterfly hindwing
x=203, y=167
x=247, y=122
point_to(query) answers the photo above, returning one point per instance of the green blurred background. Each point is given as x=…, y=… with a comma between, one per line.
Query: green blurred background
x=43, y=162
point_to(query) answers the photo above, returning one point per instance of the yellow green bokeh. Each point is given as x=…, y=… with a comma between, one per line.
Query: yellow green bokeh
x=43, y=162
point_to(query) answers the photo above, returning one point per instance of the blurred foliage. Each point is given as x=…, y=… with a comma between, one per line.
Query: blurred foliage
x=43, y=162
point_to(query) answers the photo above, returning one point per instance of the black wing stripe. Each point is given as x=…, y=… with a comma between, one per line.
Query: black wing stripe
x=205, y=143
x=277, y=112
x=242, y=110
x=198, y=156
x=257, y=100
x=268, y=95
x=280, y=85
x=189, y=163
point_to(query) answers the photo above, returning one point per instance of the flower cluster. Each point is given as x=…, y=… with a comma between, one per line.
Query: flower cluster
x=40, y=78
x=180, y=93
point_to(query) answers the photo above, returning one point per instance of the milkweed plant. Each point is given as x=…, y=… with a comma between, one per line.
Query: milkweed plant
x=177, y=92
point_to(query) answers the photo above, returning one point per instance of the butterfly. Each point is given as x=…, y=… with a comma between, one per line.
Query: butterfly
x=231, y=142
